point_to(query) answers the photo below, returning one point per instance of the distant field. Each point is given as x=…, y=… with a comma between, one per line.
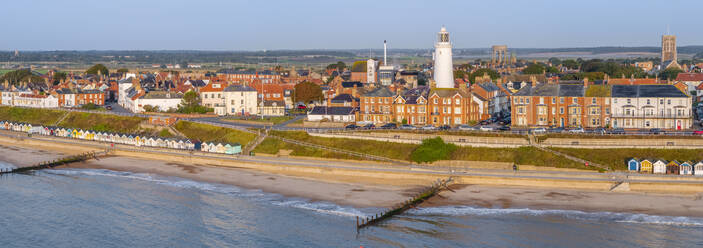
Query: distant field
x=3, y=71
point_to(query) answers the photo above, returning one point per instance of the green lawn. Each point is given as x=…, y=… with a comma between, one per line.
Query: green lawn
x=521, y=155
x=209, y=133
x=385, y=149
x=615, y=158
x=273, y=145
x=102, y=122
x=29, y=115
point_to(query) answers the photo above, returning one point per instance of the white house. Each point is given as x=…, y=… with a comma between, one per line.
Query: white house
x=164, y=100
x=36, y=101
x=240, y=100
x=650, y=106
x=334, y=114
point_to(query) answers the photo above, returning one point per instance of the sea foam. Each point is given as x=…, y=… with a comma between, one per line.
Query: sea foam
x=573, y=214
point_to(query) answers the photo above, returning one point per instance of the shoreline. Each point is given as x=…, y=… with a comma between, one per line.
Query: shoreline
x=377, y=192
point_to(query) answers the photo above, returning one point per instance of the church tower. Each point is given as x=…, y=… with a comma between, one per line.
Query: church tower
x=668, y=49
x=443, y=68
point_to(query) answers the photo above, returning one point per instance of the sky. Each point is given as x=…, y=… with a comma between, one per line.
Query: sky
x=334, y=24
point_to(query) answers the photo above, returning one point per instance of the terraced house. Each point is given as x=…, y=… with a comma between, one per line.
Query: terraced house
x=650, y=106
x=376, y=106
x=561, y=105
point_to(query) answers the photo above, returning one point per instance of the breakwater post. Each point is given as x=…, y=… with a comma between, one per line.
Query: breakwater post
x=57, y=162
x=428, y=193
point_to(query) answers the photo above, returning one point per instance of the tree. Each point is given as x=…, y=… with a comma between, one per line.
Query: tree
x=432, y=150
x=58, y=77
x=483, y=71
x=670, y=73
x=122, y=70
x=534, y=68
x=307, y=92
x=554, y=61
x=359, y=66
x=570, y=63
x=21, y=75
x=190, y=103
x=552, y=69
x=339, y=66
x=460, y=74
x=149, y=108
x=98, y=68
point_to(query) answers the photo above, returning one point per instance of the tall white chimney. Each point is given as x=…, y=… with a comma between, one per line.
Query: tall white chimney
x=385, y=62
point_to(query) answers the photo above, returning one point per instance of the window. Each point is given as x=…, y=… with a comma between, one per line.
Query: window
x=573, y=100
x=648, y=102
x=541, y=100
x=615, y=100
x=515, y=100
x=668, y=101
x=522, y=100
x=661, y=101
x=527, y=100
x=554, y=100
x=593, y=101
x=561, y=100
x=435, y=101
x=561, y=110
x=554, y=110
x=629, y=101
x=457, y=101
x=457, y=110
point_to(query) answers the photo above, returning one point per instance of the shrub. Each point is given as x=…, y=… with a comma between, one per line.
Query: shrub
x=432, y=150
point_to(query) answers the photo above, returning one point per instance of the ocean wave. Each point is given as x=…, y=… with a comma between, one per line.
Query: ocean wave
x=250, y=194
x=572, y=214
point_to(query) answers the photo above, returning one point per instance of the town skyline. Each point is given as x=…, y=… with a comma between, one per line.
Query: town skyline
x=154, y=25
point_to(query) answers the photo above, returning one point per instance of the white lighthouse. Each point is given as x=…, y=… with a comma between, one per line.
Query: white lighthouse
x=443, y=74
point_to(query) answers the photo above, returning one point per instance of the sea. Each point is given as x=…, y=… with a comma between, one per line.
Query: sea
x=103, y=208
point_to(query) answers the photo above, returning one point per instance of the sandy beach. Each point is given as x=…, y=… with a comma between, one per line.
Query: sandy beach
x=372, y=192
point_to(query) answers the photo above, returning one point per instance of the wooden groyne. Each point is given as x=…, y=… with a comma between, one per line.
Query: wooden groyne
x=56, y=162
x=428, y=193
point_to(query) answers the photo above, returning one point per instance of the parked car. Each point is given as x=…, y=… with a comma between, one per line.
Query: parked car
x=370, y=126
x=389, y=126
x=617, y=131
x=484, y=122
x=407, y=127
x=699, y=132
x=352, y=126
x=577, y=130
x=655, y=131
x=599, y=130
x=444, y=127
x=429, y=127
x=108, y=107
x=486, y=128
x=556, y=130
x=466, y=128
x=504, y=128
x=538, y=130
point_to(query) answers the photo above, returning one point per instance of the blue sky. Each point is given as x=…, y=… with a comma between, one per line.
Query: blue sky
x=333, y=24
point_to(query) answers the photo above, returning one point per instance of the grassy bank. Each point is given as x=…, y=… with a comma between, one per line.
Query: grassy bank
x=385, y=149
x=521, y=155
x=273, y=145
x=208, y=133
x=275, y=120
x=102, y=122
x=452, y=132
x=400, y=151
x=616, y=136
x=45, y=117
x=615, y=158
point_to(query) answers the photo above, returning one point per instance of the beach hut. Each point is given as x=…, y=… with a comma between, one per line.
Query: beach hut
x=2, y=124
x=204, y=147
x=220, y=148
x=659, y=167
x=646, y=166
x=189, y=145
x=633, y=165
x=228, y=149
x=673, y=167
x=213, y=147
x=181, y=144
x=686, y=168
x=698, y=169
x=137, y=140
x=74, y=133
x=235, y=148
x=130, y=139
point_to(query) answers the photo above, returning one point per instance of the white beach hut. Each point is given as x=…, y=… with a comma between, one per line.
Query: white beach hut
x=660, y=167
x=698, y=169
